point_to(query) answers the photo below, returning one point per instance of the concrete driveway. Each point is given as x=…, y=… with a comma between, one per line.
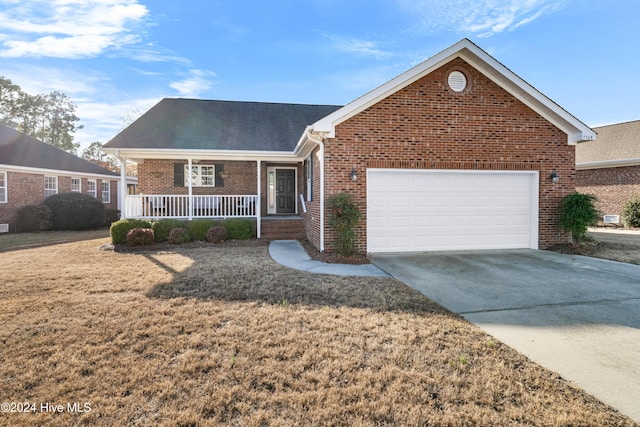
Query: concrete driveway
x=577, y=316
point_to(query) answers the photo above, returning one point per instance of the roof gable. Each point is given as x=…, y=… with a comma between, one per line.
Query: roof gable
x=484, y=63
x=18, y=149
x=193, y=124
x=617, y=145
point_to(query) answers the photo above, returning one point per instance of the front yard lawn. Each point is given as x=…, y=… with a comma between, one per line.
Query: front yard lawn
x=222, y=335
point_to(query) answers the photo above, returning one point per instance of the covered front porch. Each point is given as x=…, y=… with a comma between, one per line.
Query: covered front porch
x=191, y=189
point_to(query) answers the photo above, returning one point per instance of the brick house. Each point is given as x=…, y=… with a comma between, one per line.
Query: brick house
x=31, y=171
x=609, y=168
x=455, y=153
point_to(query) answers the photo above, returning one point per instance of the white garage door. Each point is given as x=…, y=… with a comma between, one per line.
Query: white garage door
x=429, y=210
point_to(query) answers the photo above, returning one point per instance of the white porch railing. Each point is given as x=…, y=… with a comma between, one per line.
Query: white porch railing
x=151, y=206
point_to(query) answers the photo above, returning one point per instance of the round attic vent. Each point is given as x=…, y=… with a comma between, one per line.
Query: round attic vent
x=457, y=81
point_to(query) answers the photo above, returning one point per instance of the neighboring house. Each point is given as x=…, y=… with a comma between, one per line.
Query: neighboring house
x=456, y=153
x=31, y=171
x=609, y=168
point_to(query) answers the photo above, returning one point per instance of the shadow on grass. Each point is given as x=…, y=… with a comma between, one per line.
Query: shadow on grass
x=247, y=273
x=19, y=241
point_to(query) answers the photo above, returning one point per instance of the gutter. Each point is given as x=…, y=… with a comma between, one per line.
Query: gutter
x=608, y=164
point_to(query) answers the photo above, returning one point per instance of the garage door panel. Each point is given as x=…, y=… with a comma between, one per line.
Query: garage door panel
x=449, y=210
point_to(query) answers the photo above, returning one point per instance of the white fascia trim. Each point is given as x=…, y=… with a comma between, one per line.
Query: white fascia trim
x=576, y=130
x=57, y=172
x=608, y=164
x=171, y=154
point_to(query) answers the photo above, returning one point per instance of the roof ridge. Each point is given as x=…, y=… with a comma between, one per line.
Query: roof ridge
x=616, y=124
x=231, y=101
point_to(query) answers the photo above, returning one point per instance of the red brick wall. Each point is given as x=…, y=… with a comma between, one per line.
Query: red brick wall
x=28, y=189
x=156, y=177
x=612, y=186
x=427, y=125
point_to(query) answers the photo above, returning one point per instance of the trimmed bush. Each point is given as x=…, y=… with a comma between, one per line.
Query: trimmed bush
x=239, y=228
x=577, y=213
x=178, y=236
x=140, y=237
x=198, y=228
x=111, y=216
x=163, y=227
x=631, y=212
x=119, y=229
x=76, y=211
x=217, y=234
x=32, y=218
x=344, y=217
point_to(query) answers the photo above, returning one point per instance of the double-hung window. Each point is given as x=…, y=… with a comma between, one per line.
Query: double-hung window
x=201, y=176
x=91, y=187
x=50, y=186
x=3, y=187
x=76, y=185
x=106, y=192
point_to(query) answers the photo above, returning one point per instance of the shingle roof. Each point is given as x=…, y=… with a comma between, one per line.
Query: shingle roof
x=18, y=149
x=614, y=142
x=193, y=124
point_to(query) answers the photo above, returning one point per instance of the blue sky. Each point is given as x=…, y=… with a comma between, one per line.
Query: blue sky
x=117, y=58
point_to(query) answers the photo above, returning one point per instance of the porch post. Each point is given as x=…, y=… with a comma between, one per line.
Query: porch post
x=122, y=191
x=258, y=208
x=189, y=163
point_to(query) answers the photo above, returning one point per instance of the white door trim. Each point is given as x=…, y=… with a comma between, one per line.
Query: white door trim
x=271, y=188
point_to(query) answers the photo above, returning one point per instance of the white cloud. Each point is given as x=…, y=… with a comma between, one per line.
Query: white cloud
x=104, y=120
x=196, y=83
x=480, y=17
x=67, y=28
x=358, y=46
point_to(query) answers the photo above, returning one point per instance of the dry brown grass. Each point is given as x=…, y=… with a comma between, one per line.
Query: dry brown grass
x=222, y=335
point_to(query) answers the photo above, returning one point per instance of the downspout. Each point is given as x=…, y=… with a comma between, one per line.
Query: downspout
x=320, y=143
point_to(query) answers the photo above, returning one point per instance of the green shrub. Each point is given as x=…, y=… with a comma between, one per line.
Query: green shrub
x=217, y=234
x=163, y=227
x=119, y=229
x=32, y=218
x=577, y=213
x=111, y=216
x=198, y=228
x=631, y=212
x=344, y=216
x=239, y=228
x=76, y=211
x=178, y=236
x=140, y=237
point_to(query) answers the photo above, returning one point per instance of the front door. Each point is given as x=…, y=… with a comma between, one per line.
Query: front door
x=285, y=191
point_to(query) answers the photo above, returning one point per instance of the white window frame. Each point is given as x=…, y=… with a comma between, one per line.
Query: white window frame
x=79, y=187
x=48, y=189
x=309, y=173
x=106, y=194
x=93, y=192
x=4, y=196
x=197, y=177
